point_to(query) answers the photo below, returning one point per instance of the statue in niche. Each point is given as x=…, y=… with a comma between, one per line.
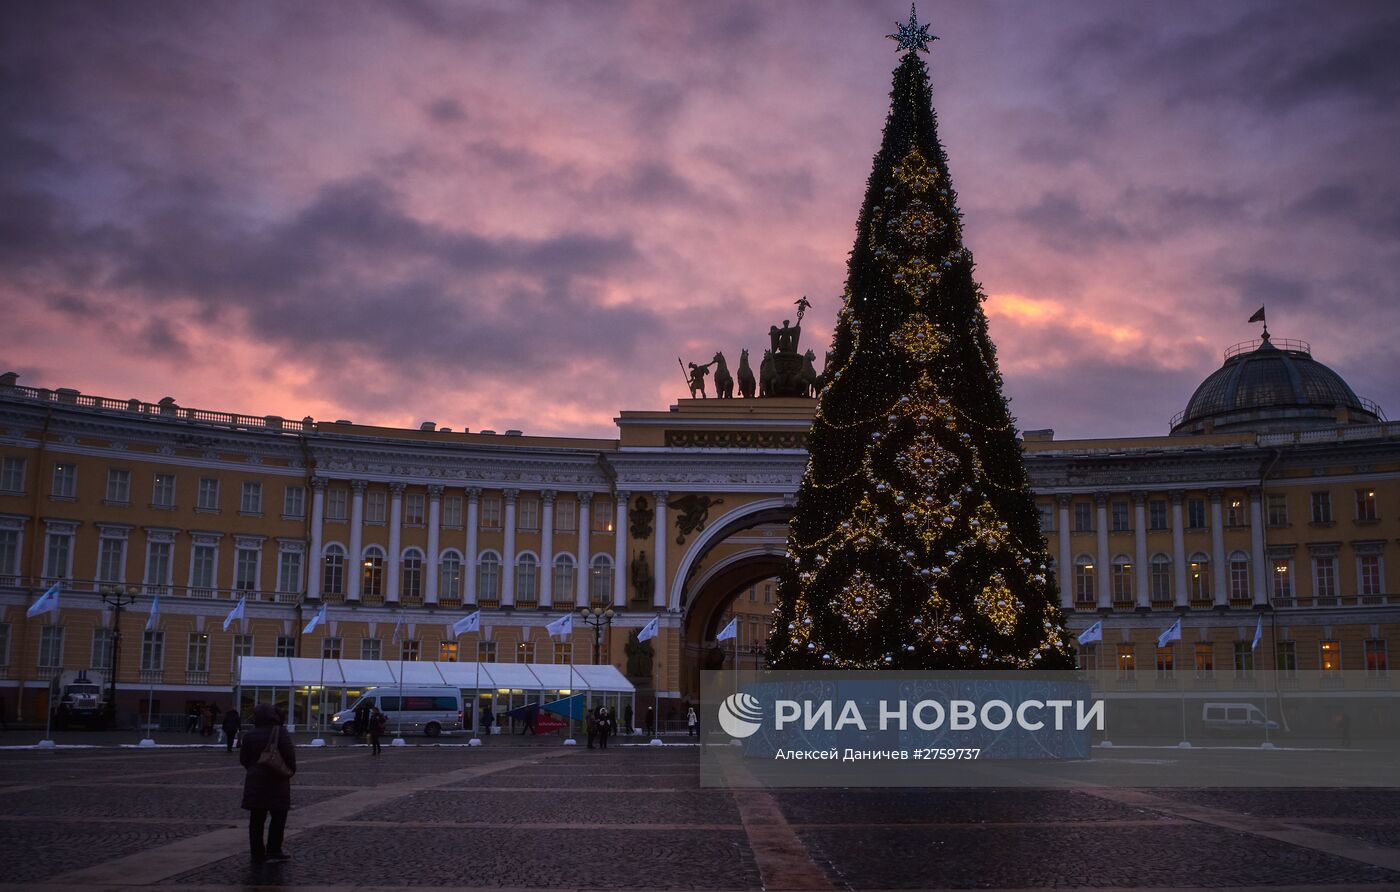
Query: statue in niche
x=640, y=517
x=746, y=378
x=642, y=579
x=639, y=656
x=694, y=514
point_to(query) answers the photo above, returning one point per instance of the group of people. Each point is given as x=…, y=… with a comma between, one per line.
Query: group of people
x=202, y=719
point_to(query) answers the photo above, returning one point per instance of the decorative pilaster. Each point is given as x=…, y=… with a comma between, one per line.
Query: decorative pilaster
x=357, y=540
x=430, y=562
x=318, y=514
x=547, y=548
x=620, y=550
x=659, y=591
x=508, y=548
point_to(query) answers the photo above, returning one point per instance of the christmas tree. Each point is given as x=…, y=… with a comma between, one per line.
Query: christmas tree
x=915, y=543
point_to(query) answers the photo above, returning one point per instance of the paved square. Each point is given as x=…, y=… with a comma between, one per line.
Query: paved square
x=637, y=818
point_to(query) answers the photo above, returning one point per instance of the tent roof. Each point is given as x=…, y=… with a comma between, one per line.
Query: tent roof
x=299, y=671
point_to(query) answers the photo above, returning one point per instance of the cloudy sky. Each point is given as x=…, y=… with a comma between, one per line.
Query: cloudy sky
x=520, y=214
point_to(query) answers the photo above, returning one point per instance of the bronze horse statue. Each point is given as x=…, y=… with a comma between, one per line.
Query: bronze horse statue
x=746, y=379
x=724, y=382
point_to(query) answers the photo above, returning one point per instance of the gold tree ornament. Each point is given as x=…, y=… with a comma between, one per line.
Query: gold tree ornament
x=914, y=173
x=998, y=604
x=861, y=602
x=920, y=338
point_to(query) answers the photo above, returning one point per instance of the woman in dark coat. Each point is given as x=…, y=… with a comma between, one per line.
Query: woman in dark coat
x=231, y=724
x=264, y=792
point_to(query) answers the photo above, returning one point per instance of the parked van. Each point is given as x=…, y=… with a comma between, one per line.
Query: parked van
x=430, y=711
x=1235, y=718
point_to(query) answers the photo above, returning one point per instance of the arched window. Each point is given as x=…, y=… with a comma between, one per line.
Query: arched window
x=1198, y=579
x=411, y=575
x=527, y=578
x=1239, y=578
x=372, y=572
x=488, y=577
x=333, y=571
x=450, y=576
x=564, y=577
x=600, y=580
x=1084, y=579
x=1161, y=580
x=1122, y=580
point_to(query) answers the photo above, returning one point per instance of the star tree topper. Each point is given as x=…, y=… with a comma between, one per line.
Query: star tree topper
x=912, y=36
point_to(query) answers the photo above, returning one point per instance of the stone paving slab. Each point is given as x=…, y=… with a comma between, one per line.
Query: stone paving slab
x=196, y=803
x=1382, y=834
x=1170, y=856
x=36, y=850
x=586, y=781
x=1296, y=804
x=950, y=807
x=586, y=859
x=553, y=806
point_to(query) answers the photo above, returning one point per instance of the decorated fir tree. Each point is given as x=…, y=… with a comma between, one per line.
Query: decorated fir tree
x=915, y=543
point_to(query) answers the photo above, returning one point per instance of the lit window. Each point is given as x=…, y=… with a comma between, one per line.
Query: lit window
x=1126, y=659
x=1198, y=579
x=1331, y=656
x=1084, y=579
x=372, y=572
x=447, y=652
x=1376, y=658
x=1283, y=579
x=1365, y=505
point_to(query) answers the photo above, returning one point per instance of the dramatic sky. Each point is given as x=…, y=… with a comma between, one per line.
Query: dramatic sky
x=518, y=214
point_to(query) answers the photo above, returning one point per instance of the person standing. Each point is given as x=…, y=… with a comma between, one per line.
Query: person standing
x=651, y=721
x=591, y=721
x=692, y=722
x=605, y=727
x=627, y=726
x=377, y=722
x=192, y=720
x=486, y=718
x=362, y=716
x=232, y=720
x=266, y=793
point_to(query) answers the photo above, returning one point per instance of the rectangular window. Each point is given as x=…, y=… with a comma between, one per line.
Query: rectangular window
x=1196, y=514
x=1205, y=658
x=245, y=570
x=452, y=511
x=119, y=486
x=242, y=647
x=197, y=656
x=1083, y=517
x=251, y=500
x=58, y=552
x=163, y=491
x=294, y=501
x=1234, y=512
x=1330, y=656
x=1366, y=505
x=1322, y=507
x=1283, y=579
x=1120, y=515
x=289, y=572
x=1157, y=514
x=1047, y=517
x=447, y=652
x=1369, y=575
x=1286, y=657
x=1239, y=580
x=413, y=509
x=152, y=651
x=1166, y=660
x=101, y=648
x=768, y=593
x=335, y=503
x=208, y=498
x=525, y=652
x=1325, y=577
x=158, y=564
x=1244, y=659
x=12, y=474
x=9, y=555
x=330, y=648
x=527, y=514
x=65, y=480
x=50, y=647
x=202, y=560
x=408, y=651
x=375, y=502
x=1277, y=504
x=491, y=513
x=286, y=646
x=1377, y=661
x=565, y=516
x=486, y=651
x=1161, y=582
x=1126, y=660
x=602, y=516
x=371, y=648
x=563, y=653
x=109, y=559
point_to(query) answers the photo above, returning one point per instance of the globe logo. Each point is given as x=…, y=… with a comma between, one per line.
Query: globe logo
x=740, y=715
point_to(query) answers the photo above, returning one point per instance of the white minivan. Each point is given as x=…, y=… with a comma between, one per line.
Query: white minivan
x=1228, y=718
x=418, y=710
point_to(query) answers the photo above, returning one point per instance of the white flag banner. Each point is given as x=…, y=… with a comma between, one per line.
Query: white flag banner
x=47, y=603
x=1258, y=634
x=316, y=620
x=467, y=624
x=235, y=613
x=154, y=618
x=394, y=638
x=649, y=631
x=564, y=625
x=1173, y=633
x=1093, y=634
x=729, y=631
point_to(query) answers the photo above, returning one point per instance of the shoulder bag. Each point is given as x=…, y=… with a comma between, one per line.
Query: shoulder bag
x=271, y=758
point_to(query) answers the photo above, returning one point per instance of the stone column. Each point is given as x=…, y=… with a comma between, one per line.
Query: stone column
x=430, y=560
x=659, y=591
x=1258, y=561
x=1062, y=502
x=547, y=549
x=1218, y=575
x=1144, y=597
x=316, y=563
x=620, y=561
x=391, y=566
x=469, y=559
x=508, y=549
x=354, y=568
x=585, y=502
x=1103, y=570
x=1179, y=552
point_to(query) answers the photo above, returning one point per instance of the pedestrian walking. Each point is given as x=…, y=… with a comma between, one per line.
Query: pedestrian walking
x=232, y=720
x=377, y=723
x=271, y=760
x=192, y=720
x=605, y=727
x=692, y=722
x=362, y=715
x=486, y=718
x=627, y=726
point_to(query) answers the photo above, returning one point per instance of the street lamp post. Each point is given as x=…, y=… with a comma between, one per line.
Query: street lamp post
x=116, y=597
x=599, y=619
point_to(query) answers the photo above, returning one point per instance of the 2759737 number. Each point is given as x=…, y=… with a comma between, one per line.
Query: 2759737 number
x=936, y=753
